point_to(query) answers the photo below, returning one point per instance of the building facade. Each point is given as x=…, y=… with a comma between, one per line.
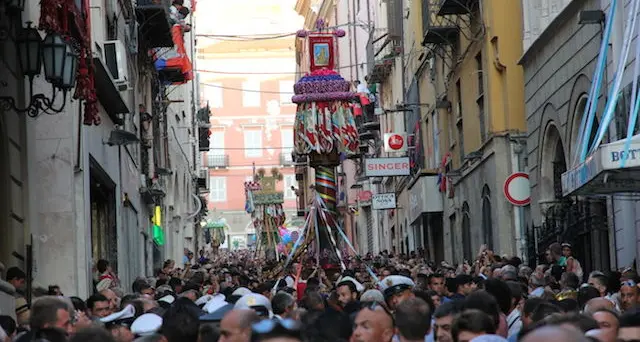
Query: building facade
x=251, y=123
x=602, y=229
x=78, y=178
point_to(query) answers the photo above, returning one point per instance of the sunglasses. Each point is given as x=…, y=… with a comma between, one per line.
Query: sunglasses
x=267, y=326
x=629, y=283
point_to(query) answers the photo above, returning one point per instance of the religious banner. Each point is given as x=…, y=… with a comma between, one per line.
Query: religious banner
x=321, y=47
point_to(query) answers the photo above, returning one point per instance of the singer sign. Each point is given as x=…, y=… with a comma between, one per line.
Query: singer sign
x=387, y=167
x=395, y=142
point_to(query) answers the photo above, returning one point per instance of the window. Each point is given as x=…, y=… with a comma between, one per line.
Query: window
x=251, y=93
x=253, y=143
x=459, y=126
x=286, y=137
x=216, y=143
x=466, y=232
x=289, y=181
x=480, y=99
x=213, y=94
x=217, y=189
x=286, y=91
x=487, y=220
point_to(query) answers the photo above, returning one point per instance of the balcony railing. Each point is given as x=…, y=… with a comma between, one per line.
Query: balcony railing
x=217, y=161
x=153, y=18
x=286, y=159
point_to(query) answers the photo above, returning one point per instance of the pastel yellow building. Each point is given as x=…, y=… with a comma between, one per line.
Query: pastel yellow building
x=478, y=126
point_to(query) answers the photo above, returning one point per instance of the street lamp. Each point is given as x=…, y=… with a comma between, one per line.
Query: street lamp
x=60, y=62
x=54, y=52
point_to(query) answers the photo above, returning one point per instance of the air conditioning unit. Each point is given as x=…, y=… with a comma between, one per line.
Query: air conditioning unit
x=115, y=57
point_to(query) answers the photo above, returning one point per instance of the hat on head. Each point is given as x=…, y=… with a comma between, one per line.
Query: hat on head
x=147, y=324
x=123, y=317
x=217, y=315
x=395, y=284
x=358, y=285
x=169, y=299
x=372, y=296
x=257, y=302
x=214, y=304
x=241, y=291
x=203, y=300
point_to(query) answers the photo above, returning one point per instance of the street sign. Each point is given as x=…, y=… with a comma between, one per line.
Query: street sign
x=517, y=189
x=387, y=167
x=395, y=142
x=383, y=201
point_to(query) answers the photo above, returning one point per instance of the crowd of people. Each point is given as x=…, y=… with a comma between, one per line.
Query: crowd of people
x=233, y=297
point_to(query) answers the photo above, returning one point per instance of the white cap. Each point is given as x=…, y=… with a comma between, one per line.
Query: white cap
x=359, y=286
x=395, y=284
x=241, y=291
x=147, y=324
x=127, y=313
x=169, y=299
x=256, y=302
x=204, y=299
x=214, y=304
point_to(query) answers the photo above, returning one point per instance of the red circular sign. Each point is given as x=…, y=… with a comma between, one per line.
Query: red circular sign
x=396, y=141
x=517, y=189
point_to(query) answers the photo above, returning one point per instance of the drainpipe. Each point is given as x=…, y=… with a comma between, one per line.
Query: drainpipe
x=518, y=214
x=355, y=40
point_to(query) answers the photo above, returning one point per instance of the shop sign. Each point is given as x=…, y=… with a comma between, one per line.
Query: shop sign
x=387, y=167
x=383, y=201
x=364, y=198
x=578, y=177
x=425, y=197
x=614, y=153
x=395, y=142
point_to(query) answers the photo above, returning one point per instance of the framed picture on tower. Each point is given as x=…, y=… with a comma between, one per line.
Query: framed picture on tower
x=321, y=50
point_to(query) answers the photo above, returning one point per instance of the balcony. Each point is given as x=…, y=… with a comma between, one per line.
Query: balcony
x=438, y=29
x=380, y=56
x=217, y=161
x=153, y=18
x=286, y=159
x=457, y=7
x=203, y=181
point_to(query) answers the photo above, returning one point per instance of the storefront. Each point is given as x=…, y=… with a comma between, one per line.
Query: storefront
x=425, y=217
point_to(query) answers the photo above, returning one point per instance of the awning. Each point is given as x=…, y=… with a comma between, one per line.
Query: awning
x=601, y=173
x=108, y=94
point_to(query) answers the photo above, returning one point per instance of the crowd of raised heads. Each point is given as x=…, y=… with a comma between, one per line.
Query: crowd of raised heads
x=239, y=297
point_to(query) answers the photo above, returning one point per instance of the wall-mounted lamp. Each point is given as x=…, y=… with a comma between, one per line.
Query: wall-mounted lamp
x=60, y=68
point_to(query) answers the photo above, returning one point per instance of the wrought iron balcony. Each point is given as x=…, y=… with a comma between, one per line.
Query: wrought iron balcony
x=217, y=161
x=457, y=7
x=153, y=18
x=286, y=159
x=438, y=28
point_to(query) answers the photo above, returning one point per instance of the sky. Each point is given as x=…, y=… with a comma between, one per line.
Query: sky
x=247, y=17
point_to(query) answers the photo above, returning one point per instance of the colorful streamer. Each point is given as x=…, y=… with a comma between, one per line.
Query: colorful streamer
x=615, y=91
x=635, y=104
x=326, y=185
x=586, y=124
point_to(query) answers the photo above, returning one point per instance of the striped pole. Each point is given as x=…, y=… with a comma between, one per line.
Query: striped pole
x=326, y=187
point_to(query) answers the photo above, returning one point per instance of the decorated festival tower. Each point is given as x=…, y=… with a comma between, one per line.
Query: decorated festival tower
x=325, y=128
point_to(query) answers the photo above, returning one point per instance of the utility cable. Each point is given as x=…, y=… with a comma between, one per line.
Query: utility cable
x=405, y=55
x=267, y=36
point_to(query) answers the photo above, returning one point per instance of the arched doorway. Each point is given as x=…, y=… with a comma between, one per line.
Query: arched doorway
x=579, y=221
